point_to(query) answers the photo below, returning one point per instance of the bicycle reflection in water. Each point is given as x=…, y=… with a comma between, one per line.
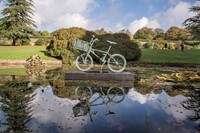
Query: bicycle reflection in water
x=90, y=97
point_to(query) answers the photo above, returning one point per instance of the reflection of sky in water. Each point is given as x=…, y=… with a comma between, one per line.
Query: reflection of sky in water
x=170, y=105
x=53, y=114
x=137, y=113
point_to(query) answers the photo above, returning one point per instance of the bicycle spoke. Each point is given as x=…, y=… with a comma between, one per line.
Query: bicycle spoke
x=116, y=94
x=117, y=63
x=84, y=62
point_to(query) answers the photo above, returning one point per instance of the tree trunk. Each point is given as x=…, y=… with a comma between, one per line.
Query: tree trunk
x=14, y=42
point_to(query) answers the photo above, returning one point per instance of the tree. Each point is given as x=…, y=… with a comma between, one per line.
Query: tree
x=45, y=34
x=176, y=33
x=159, y=33
x=100, y=31
x=145, y=33
x=17, y=22
x=194, y=22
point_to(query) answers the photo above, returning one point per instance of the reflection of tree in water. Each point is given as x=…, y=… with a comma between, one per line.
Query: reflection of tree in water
x=15, y=99
x=193, y=104
x=56, y=80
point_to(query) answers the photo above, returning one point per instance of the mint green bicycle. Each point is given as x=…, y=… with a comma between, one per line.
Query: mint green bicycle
x=84, y=62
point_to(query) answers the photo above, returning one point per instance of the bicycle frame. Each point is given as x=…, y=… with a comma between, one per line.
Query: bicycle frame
x=105, y=53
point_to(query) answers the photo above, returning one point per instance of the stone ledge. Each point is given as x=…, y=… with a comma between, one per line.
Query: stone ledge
x=96, y=75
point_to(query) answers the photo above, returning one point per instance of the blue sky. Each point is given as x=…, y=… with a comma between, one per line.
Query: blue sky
x=112, y=15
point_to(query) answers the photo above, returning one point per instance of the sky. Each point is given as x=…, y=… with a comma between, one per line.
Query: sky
x=112, y=15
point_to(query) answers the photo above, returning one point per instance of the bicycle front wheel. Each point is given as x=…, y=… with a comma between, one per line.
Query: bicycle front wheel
x=116, y=63
x=116, y=94
x=84, y=62
x=83, y=93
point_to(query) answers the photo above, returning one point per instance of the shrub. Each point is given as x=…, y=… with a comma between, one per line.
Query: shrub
x=128, y=48
x=171, y=46
x=25, y=42
x=61, y=45
x=67, y=57
x=148, y=44
x=130, y=51
x=45, y=33
x=4, y=43
x=39, y=42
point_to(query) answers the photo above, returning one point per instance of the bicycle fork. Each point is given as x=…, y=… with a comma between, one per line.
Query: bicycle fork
x=85, y=59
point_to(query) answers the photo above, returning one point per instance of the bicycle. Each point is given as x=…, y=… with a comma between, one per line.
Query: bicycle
x=88, y=99
x=84, y=62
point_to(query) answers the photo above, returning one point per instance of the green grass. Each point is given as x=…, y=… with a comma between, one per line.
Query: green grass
x=23, y=52
x=170, y=56
x=148, y=55
x=13, y=71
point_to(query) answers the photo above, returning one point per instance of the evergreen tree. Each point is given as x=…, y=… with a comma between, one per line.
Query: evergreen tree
x=194, y=22
x=17, y=22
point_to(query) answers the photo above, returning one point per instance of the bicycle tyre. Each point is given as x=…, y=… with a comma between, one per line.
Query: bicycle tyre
x=83, y=93
x=116, y=63
x=116, y=94
x=84, y=64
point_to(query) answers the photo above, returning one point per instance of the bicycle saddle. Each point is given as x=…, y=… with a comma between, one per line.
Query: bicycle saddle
x=110, y=42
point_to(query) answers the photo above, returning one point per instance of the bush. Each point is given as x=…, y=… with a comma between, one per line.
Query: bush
x=4, y=43
x=146, y=46
x=61, y=45
x=25, y=42
x=39, y=42
x=68, y=57
x=129, y=49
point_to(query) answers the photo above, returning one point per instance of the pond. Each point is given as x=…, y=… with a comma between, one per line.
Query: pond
x=160, y=100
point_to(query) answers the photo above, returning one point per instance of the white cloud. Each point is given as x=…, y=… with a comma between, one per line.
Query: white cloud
x=118, y=27
x=137, y=24
x=153, y=24
x=74, y=19
x=143, y=22
x=176, y=15
x=173, y=16
x=51, y=14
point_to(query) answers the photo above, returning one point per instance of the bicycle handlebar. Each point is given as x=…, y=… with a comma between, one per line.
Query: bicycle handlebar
x=96, y=39
x=93, y=39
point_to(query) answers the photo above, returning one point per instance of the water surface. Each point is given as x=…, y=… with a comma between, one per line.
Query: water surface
x=57, y=107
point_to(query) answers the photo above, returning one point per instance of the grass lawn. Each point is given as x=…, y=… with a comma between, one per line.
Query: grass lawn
x=170, y=56
x=148, y=55
x=23, y=52
x=13, y=71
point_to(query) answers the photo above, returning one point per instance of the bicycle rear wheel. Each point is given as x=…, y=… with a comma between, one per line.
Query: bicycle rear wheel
x=116, y=63
x=84, y=62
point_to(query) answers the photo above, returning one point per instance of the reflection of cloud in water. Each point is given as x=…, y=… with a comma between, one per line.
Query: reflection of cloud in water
x=171, y=105
x=142, y=99
x=53, y=114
